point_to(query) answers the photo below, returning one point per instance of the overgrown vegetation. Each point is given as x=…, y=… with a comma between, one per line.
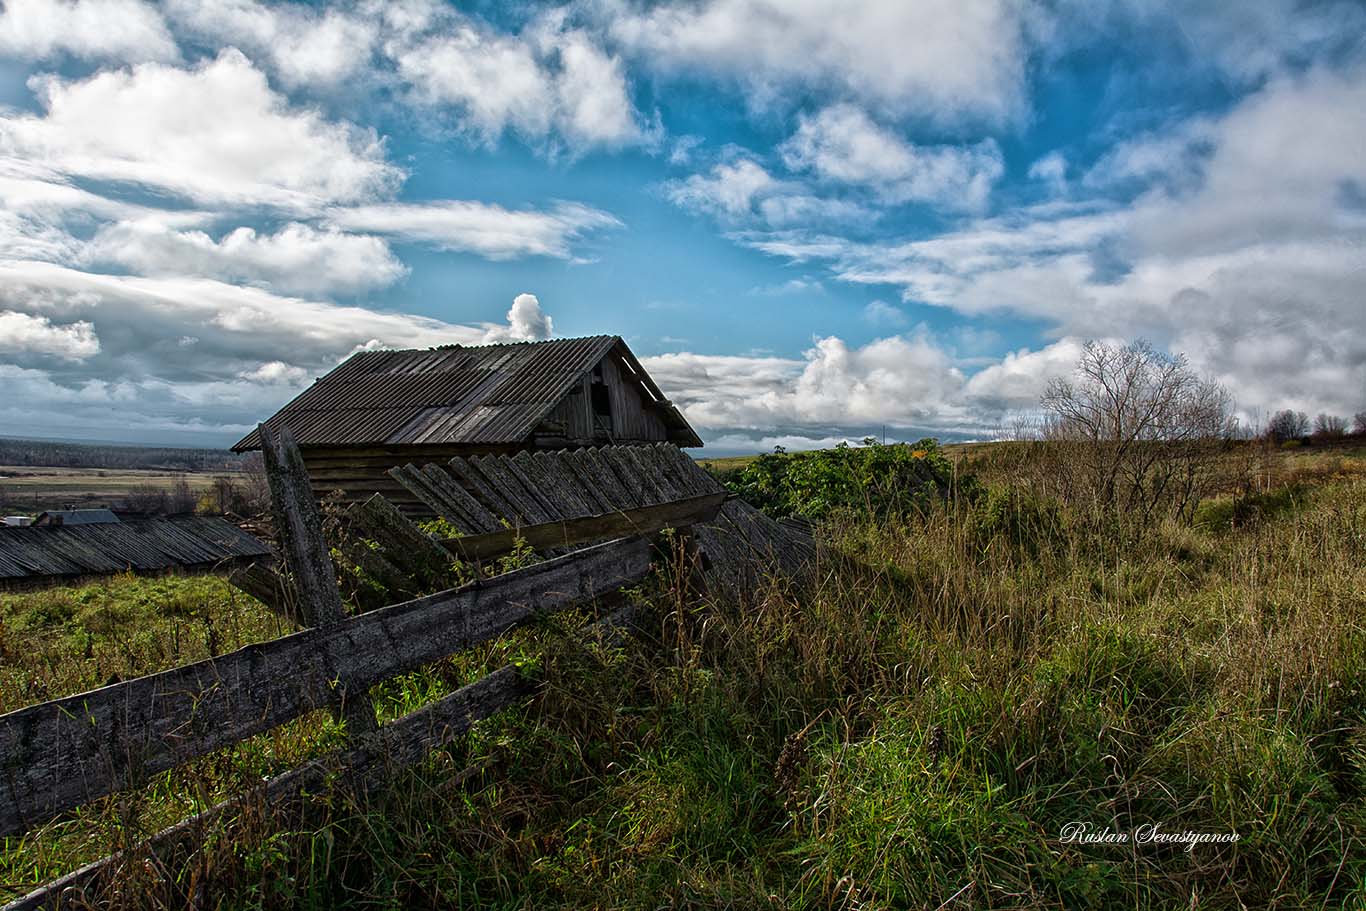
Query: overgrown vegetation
x=977, y=662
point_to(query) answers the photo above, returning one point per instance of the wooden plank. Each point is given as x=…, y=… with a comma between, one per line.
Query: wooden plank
x=399, y=744
x=415, y=483
x=299, y=526
x=497, y=474
x=63, y=753
x=568, y=485
x=403, y=543
x=516, y=468
x=645, y=520
x=477, y=517
x=467, y=473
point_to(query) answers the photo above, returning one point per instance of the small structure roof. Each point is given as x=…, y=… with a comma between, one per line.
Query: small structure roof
x=486, y=394
x=76, y=517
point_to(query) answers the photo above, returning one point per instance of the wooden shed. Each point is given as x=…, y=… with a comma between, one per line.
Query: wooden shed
x=381, y=409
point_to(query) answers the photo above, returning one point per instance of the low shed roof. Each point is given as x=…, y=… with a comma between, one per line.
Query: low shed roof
x=457, y=394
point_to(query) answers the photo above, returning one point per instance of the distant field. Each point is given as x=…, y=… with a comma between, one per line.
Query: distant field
x=29, y=488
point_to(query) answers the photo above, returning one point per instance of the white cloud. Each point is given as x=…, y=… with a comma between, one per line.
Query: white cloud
x=739, y=190
x=295, y=259
x=881, y=313
x=137, y=354
x=1051, y=169
x=902, y=380
x=22, y=333
x=946, y=60
x=216, y=133
x=488, y=230
x=121, y=30
x=305, y=46
x=843, y=144
x=527, y=322
x=1018, y=380
x=1244, y=252
x=549, y=82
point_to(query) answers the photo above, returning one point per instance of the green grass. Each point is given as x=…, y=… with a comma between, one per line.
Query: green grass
x=917, y=723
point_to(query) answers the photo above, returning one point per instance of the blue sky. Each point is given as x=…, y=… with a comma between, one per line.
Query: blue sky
x=811, y=220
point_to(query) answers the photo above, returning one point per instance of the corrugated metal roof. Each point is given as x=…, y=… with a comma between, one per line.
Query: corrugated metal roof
x=141, y=545
x=480, y=394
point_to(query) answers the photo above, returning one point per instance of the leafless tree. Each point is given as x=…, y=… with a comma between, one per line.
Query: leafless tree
x=1359, y=422
x=1329, y=427
x=1139, y=431
x=1288, y=425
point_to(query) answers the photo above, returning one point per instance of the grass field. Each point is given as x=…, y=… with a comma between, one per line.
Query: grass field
x=915, y=728
x=31, y=489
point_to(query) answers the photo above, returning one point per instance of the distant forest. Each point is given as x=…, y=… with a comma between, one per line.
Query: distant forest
x=102, y=455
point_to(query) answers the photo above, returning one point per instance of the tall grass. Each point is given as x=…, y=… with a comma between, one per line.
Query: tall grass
x=911, y=726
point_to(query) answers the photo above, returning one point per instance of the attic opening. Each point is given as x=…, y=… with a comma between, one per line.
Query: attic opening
x=601, y=401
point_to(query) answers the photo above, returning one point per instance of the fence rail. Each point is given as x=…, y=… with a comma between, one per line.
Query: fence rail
x=64, y=753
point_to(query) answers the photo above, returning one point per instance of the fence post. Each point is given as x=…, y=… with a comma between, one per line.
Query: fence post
x=299, y=526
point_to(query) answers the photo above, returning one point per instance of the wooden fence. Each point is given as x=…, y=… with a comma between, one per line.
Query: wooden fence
x=61, y=754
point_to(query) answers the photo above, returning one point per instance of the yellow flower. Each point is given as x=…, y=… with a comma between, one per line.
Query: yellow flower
x=918, y=453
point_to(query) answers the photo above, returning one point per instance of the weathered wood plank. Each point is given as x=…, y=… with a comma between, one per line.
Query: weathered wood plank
x=496, y=474
x=63, y=753
x=558, y=470
x=415, y=483
x=468, y=473
x=299, y=525
x=477, y=517
x=396, y=745
x=645, y=520
x=406, y=545
x=516, y=467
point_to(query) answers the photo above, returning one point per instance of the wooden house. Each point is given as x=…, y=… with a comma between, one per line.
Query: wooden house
x=381, y=409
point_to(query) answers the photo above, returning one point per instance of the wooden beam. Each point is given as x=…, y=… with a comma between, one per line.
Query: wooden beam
x=300, y=527
x=396, y=745
x=67, y=752
x=645, y=520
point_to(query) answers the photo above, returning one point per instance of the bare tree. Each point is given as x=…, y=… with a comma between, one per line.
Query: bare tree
x=1139, y=430
x=1359, y=422
x=1288, y=425
x=1329, y=427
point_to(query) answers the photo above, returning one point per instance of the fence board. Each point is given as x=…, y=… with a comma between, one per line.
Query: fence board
x=396, y=745
x=63, y=753
x=642, y=521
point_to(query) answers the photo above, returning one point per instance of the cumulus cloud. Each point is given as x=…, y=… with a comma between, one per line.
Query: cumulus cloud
x=739, y=190
x=296, y=259
x=944, y=60
x=188, y=354
x=527, y=322
x=304, y=45
x=904, y=380
x=549, y=82
x=1249, y=261
x=216, y=133
x=21, y=332
x=842, y=143
x=121, y=30
x=488, y=230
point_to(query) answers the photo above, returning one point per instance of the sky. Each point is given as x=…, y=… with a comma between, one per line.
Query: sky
x=812, y=221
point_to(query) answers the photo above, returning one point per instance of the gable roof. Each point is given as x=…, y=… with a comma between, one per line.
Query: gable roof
x=455, y=394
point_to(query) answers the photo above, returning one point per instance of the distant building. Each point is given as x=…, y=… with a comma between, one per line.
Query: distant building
x=75, y=517
x=380, y=409
x=18, y=521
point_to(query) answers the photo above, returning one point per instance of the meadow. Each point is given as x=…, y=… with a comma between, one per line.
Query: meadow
x=976, y=663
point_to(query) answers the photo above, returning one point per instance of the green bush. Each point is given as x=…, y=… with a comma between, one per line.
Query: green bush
x=872, y=479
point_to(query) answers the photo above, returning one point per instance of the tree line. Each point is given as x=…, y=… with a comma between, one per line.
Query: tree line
x=52, y=454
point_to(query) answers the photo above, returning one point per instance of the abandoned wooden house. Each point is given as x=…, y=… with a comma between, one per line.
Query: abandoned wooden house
x=382, y=409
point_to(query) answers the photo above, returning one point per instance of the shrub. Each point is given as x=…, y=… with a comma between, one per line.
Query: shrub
x=873, y=479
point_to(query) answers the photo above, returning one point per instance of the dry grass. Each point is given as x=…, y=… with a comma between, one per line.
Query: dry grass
x=916, y=723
